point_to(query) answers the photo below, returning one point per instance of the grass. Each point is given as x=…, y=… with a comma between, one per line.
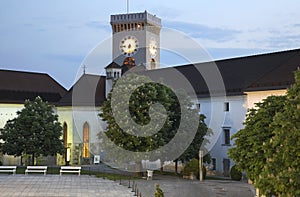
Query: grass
x=55, y=170
x=114, y=176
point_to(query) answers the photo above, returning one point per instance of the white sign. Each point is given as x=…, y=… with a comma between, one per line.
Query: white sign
x=96, y=159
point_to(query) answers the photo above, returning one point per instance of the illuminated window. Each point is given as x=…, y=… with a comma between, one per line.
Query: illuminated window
x=152, y=64
x=65, y=135
x=129, y=61
x=86, y=141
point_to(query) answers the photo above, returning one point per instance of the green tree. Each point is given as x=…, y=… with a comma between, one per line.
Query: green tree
x=283, y=167
x=199, y=141
x=143, y=109
x=35, y=131
x=249, y=153
x=268, y=147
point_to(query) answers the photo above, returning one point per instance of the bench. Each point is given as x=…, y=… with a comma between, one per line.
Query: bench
x=12, y=169
x=70, y=169
x=42, y=169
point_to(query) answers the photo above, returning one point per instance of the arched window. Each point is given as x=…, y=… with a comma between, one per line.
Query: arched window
x=152, y=64
x=129, y=61
x=65, y=134
x=86, y=141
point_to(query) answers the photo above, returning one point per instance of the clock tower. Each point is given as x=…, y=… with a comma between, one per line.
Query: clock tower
x=136, y=39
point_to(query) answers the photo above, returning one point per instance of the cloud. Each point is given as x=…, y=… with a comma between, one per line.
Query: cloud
x=98, y=25
x=71, y=58
x=203, y=31
x=223, y=53
x=284, y=41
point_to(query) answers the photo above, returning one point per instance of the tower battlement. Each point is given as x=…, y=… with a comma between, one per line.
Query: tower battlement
x=146, y=17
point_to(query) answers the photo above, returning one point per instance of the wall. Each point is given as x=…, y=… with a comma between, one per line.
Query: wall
x=8, y=112
x=258, y=96
x=77, y=117
x=217, y=119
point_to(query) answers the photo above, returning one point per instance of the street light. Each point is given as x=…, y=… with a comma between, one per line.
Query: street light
x=200, y=165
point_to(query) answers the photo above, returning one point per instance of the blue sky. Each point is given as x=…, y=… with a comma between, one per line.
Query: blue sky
x=54, y=36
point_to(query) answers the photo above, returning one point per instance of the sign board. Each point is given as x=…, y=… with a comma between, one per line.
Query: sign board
x=96, y=159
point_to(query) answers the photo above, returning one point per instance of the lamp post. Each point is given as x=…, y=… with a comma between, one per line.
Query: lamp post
x=200, y=165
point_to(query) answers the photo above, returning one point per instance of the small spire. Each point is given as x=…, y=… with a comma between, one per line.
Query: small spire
x=84, y=67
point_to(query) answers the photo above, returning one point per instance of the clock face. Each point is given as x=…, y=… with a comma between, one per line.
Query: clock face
x=153, y=47
x=129, y=46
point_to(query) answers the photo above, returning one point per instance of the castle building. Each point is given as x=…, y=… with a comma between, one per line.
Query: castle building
x=136, y=43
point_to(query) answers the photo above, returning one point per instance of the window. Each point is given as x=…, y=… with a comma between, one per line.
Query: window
x=152, y=64
x=198, y=106
x=214, y=163
x=226, y=136
x=86, y=139
x=226, y=167
x=65, y=135
x=226, y=106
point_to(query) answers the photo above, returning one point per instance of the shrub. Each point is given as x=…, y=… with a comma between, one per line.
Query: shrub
x=158, y=192
x=193, y=166
x=235, y=173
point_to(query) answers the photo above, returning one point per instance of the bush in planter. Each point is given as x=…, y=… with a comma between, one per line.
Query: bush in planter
x=235, y=174
x=193, y=167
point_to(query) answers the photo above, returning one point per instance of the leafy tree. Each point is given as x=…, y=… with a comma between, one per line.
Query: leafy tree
x=193, y=150
x=35, y=131
x=249, y=153
x=139, y=103
x=148, y=102
x=283, y=168
x=268, y=147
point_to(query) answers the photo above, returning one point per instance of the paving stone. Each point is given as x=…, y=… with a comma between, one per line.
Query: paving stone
x=55, y=185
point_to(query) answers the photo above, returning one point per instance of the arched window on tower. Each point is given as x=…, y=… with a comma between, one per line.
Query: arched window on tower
x=152, y=64
x=129, y=61
x=86, y=141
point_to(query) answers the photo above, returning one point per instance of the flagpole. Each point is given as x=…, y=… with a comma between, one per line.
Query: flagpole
x=127, y=6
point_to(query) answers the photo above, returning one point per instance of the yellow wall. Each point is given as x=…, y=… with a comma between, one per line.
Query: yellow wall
x=65, y=116
x=8, y=112
x=258, y=96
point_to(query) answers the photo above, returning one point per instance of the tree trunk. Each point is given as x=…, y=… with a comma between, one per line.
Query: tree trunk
x=138, y=168
x=176, y=166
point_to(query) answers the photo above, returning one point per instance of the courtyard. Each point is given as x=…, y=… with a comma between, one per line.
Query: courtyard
x=89, y=185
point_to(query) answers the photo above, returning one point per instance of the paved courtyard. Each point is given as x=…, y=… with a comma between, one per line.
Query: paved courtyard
x=55, y=185
x=84, y=185
x=177, y=187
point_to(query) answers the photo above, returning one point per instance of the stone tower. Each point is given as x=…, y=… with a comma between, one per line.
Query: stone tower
x=136, y=38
